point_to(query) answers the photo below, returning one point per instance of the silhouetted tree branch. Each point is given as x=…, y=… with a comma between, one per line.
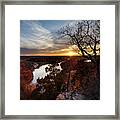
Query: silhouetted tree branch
x=85, y=35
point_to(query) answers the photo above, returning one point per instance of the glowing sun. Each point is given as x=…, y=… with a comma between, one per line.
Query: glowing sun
x=70, y=53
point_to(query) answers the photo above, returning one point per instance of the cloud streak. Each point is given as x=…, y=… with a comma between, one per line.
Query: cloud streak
x=35, y=36
x=39, y=38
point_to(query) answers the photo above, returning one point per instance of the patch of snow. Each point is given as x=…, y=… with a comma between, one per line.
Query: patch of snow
x=41, y=73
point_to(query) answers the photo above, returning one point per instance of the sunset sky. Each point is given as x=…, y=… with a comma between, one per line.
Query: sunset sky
x=38, y=37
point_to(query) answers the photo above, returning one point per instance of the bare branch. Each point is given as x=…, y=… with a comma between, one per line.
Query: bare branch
x=83, y=34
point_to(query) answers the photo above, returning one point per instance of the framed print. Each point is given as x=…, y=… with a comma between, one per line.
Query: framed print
x=60, y=60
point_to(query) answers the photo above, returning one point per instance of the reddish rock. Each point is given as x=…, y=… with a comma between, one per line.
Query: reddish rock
x=26, y=76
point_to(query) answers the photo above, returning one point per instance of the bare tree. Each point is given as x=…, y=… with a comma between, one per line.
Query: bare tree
x=85, y=34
